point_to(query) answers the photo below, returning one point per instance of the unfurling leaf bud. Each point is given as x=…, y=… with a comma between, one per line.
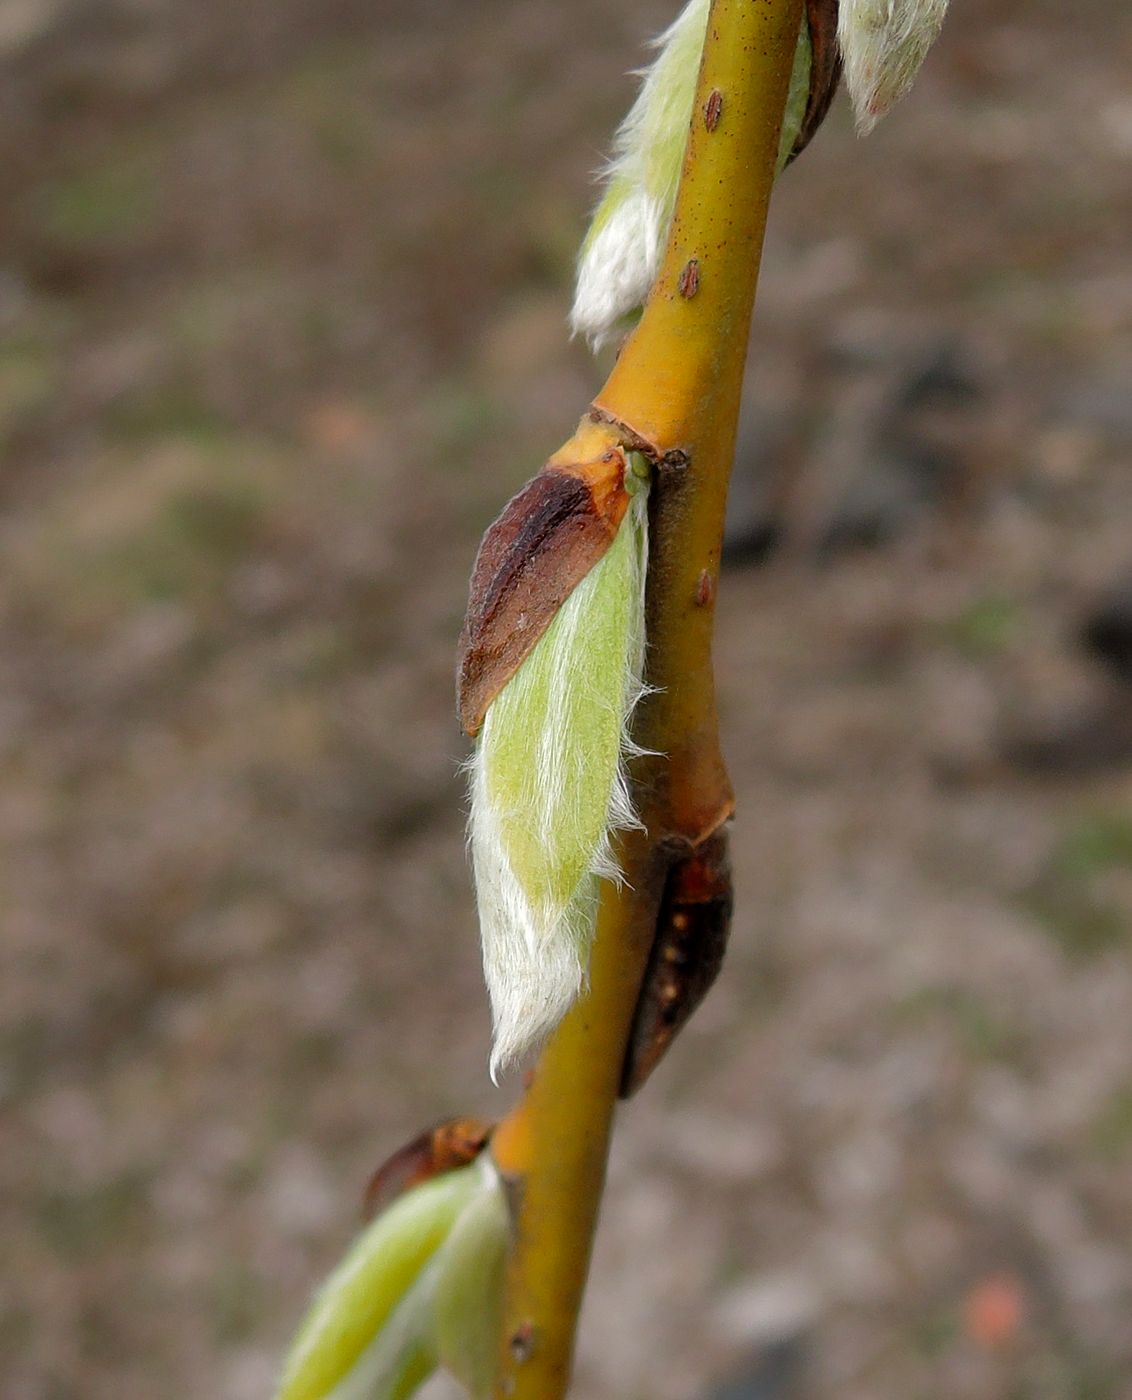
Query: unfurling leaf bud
x=883, y=43
x=548, y=786
x=421, y=1287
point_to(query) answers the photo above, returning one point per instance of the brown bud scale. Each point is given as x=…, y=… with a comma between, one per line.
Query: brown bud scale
x=687, y=953
x=450, y=1145
x=545, y=542
x=825, y=68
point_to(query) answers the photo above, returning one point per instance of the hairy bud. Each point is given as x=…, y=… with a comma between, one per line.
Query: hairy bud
x=883, y=43
x=548, y=785
x=621, y=254
x=422, y=1286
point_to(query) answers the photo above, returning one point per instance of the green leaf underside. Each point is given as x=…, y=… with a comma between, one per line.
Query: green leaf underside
x=403, y=1354
x=469, y=1294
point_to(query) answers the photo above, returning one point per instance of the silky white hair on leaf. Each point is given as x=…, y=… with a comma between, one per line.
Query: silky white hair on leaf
x=620, y=257
x=548, y=789
x=420, y=1287
x=883, y=43
x=621, y=253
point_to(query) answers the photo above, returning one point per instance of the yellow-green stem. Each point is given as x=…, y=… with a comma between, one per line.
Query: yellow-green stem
x=675, y=390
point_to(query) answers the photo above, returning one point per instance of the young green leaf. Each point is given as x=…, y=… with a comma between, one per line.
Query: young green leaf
x=469, y=1290
x=370, y=1333
x=548, y=788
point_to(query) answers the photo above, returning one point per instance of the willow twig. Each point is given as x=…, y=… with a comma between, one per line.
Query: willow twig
x=674, y=395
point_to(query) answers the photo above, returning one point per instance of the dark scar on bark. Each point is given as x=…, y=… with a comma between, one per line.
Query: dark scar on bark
x=713, y=109
x=521, y=1343
x=444, y=1148
x=687, y=953
x=545, y=542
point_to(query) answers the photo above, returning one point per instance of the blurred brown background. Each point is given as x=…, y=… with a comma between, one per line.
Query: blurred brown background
x=282, y=299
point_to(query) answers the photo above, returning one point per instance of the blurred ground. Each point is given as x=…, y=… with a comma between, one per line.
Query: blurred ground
x=282, y=289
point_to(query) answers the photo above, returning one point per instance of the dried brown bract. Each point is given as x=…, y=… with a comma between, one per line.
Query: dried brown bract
x=546, y=541
x=443, y=1148
x=687, y=953
x=825, y=69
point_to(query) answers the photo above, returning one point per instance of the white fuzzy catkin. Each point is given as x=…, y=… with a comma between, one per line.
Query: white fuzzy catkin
x=620, y=257
x=883, y=43
x=549, y=787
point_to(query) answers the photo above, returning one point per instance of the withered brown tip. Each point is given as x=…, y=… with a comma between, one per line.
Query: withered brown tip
x=443, y=1148
x=545, y=542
